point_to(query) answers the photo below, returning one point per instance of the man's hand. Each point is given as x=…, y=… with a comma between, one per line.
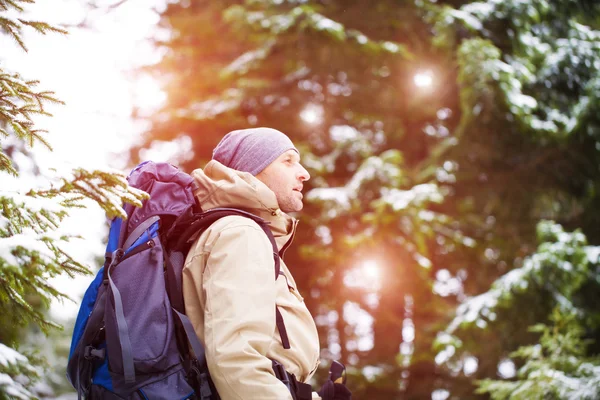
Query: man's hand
x=334, y=391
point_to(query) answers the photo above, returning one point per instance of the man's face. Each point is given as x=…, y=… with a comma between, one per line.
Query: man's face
x=285, y=177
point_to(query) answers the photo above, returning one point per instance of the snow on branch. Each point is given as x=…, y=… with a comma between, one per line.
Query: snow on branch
x=560, y=265
x=555, y=367
x=551, y=51
x=31, y=248
x=109, y=189
x=342, y=199
x=305, y=17
x=12, y=365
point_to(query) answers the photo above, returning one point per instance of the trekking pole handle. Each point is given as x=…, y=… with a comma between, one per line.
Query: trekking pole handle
x=336, y=372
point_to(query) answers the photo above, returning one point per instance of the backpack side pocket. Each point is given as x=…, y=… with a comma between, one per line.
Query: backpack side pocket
x=139, y=320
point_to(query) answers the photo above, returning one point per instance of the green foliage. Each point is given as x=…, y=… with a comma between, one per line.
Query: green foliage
x=19, y=103
x=13, y=27
x=560, y=365
x=32, y=246
x=526, y=149
x=559, y=267
x=19, y=99
x=556, y=368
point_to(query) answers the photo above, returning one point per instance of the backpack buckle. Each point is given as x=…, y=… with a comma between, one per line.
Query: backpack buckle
x=205, y=392
x=199, y=381
x=91, y=353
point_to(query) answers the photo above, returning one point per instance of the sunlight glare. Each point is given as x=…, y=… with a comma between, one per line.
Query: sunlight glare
x=423, y=79
x=371, y=270
x=312, y=114
x=366, y=275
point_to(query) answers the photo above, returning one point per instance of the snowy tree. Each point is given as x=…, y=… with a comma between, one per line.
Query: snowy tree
x=337, y=77
x=527, y=148
x=551, y=281
x=557, y=367
x=32, y=247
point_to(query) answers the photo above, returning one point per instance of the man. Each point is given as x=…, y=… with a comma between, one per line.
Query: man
x=229, y=289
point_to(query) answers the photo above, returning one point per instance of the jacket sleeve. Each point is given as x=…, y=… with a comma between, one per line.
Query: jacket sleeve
x=240, y=290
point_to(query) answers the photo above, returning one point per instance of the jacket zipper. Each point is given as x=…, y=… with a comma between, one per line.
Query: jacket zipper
x=289, y=242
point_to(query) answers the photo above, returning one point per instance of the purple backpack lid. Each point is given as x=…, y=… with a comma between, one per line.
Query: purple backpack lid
x=171, y=191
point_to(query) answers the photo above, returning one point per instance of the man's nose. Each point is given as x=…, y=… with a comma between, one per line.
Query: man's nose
x=303, y=175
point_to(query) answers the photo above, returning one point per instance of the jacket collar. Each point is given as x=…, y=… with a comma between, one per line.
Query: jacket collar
x=220, y=186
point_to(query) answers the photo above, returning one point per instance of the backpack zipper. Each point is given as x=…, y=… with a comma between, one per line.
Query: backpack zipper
x=138, y=249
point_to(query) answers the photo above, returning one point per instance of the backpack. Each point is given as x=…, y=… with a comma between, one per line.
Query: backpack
x=131, y=338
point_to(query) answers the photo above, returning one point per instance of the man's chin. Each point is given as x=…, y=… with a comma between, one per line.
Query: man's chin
x=296, y=207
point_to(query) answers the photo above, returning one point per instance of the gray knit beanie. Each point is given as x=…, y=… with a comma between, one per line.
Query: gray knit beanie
x=252, y=150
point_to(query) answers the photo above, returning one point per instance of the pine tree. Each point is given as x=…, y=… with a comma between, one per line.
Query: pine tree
x=526, y=149
x=337, y=77
x=31, y=244
x=561, y=365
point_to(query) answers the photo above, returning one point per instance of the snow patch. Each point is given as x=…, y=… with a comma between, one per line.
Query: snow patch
x=401, y=199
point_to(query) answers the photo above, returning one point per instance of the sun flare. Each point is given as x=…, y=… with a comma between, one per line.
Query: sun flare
x=423, y=79
x=312, y=114
x=371, y=270
x=366, y=275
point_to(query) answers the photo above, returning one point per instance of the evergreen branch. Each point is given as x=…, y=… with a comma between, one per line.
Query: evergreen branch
x=10, y=295
x=18, y=102
x=306, y=18
x=6, y=164
x=12, y=30
x=555, y=368
x=14, y=366
x=43, y=27
x=47, y=291
x=4, y=80
x=14, y=4
x=544, y=269
x=20, y=128
x=108, y=190
x=49, y=97
x=70, y=266
x=5, y=3
x=30, y=275
x=35, y=135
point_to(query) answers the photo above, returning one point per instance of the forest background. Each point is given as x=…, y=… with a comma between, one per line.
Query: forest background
x=449, y=247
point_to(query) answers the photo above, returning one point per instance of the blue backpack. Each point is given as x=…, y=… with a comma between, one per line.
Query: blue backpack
x=132, y=339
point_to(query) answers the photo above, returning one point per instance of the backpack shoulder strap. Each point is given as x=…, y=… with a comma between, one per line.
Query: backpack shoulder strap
x=188, y=226
x=278, y=317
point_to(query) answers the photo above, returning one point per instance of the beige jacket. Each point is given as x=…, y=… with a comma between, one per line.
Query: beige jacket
x=230, y=291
